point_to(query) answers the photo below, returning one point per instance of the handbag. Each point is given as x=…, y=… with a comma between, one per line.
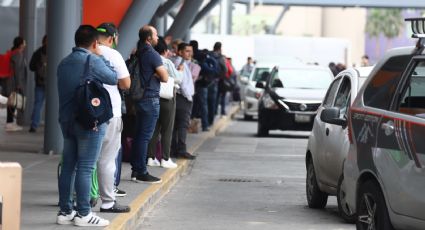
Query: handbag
x=16, y=100
x=167, y=89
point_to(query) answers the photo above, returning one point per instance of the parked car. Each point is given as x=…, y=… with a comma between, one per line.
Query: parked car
x=328, y=143
x=291, y=97
x=251, y=94
x=384, y=173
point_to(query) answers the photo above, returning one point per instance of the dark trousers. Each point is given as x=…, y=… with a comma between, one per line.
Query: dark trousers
x=6, y=85
x=182, y=121
x=212, y=101
x=200, y=105
x=164, y=125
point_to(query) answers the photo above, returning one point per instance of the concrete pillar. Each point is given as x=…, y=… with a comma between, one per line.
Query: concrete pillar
x=28, y=29
x=63, y=19
x=140, y=13
x=226, y=9
x=184, y=18
x=202, y=13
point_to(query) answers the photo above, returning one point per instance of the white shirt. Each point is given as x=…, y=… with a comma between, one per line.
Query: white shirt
x=118, y=63
x=172, y=71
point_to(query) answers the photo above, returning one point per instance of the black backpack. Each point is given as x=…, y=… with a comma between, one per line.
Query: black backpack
x=136, y=90
x=93, y=102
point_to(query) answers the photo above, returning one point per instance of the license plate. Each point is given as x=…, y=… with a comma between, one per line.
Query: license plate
x=301, y=118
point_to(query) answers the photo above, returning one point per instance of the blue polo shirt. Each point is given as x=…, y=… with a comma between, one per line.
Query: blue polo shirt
x=149, y=61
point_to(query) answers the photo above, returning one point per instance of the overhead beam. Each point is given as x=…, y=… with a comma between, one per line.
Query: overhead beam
x=279, y=19
x=207, y=8
x=343, y=3
x=184, y=18
x=166, y=7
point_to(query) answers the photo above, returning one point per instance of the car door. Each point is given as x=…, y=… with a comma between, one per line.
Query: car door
x=335, y=136
x=400, y=151
x=319, y=133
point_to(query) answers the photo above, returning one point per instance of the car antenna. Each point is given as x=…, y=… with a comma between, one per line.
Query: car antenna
x=418, y=29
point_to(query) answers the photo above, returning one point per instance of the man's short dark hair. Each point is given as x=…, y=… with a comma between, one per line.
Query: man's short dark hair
x=85, y=36
x=217, y=46
x=182, y=46
x=145, y=32
x=161, y=47
x=194, y=44
x=107, y=29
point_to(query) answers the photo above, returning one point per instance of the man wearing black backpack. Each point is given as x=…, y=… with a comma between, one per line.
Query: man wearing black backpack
x=81, y=144
x=152, y=72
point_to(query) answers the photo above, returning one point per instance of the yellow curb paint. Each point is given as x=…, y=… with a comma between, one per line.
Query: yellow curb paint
x=169, y=177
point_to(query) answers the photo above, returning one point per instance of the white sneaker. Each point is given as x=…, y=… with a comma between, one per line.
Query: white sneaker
x=153, y=162
x=12, y=127
x=63, y=218
x=168, y=164
x=91, y=220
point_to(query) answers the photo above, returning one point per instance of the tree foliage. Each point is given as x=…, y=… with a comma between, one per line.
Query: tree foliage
x=388, y=22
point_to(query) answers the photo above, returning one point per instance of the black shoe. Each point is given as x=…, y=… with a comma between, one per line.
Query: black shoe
x=118, y=192
x=186, y=155
x=133, y=175
x=205, y=129
x=116, y=208
x=147, y=178
x=32, y=130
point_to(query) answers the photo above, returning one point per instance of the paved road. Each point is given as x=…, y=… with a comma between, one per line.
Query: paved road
x=240, y=181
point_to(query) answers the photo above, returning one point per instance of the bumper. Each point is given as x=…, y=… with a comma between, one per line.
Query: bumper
x=284, y=120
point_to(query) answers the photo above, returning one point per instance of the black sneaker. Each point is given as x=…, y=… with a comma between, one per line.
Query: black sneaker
x=118, y=192
x=147, y=178
x=185, y=155
x=133, y=175
x=32, y=130
x=116, y=208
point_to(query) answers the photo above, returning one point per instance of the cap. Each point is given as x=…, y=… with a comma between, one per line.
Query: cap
x=108, y=28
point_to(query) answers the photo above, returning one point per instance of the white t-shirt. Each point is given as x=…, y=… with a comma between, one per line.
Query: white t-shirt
x=116, y=60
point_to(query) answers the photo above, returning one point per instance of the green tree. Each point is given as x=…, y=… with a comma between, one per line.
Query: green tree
x=388, y=22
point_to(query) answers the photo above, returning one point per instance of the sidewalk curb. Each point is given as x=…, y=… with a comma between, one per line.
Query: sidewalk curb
x=147, y=200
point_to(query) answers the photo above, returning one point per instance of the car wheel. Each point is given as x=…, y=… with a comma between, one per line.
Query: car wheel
x=371, y=208
x=344, y=210
x=315, y=197
x=247, y=117
x=261, y=130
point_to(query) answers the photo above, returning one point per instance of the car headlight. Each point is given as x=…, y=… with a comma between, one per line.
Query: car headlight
x=269, y=102
x=254, y=93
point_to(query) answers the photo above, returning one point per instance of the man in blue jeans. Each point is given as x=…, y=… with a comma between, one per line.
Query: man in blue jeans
x=153, y=72
x=81, y=146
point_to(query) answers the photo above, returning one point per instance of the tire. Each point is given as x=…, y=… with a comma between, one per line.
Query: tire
x=315, y=198
x=371, y=208
x=344, y=210
x=247, y=117
x=261, y=130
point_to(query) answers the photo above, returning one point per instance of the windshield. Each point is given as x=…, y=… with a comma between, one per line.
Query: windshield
x=258, y=72
x=305, y=78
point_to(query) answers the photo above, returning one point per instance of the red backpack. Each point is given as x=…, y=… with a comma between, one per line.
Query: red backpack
x=5, y=67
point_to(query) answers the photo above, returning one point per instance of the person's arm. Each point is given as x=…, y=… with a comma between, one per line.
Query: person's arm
x=161, y=73
x=173, y=72
x=103, y=70
x=34, y=59
x=124, y=83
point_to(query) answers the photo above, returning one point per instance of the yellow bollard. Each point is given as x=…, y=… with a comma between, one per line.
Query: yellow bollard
x=10, y=195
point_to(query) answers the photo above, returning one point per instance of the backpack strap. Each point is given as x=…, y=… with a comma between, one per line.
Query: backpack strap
x=86, y=72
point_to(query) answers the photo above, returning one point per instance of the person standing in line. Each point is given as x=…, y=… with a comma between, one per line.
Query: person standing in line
x=248, y=67
x=106, y=165
x=81, y=146
x=184, y=99
x=38, y=65
x=152, y=73
x=17, y=82
x=213, y=90
x=165, y=123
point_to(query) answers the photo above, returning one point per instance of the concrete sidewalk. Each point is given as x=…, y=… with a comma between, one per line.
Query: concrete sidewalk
x=39, y=188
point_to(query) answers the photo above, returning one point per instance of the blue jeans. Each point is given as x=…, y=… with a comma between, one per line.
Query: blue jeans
x=147, y=115
x=203, y=100
x=80, y=153
x=212, y=101
x=118, y=162
x=39, y=94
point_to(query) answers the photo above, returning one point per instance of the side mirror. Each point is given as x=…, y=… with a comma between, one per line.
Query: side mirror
x=260, y=85
x=277, y=83
x=331, y=116
x=244, y=79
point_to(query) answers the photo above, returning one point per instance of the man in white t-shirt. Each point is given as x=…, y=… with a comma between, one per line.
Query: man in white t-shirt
x=108, y=38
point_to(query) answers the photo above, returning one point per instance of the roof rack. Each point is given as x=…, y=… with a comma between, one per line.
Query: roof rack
x=418, y=29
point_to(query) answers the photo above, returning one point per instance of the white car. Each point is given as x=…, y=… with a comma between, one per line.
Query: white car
x=328, y=143
x=250, y=94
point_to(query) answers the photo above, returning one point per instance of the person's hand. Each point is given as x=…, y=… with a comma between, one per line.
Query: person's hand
x=180, y=67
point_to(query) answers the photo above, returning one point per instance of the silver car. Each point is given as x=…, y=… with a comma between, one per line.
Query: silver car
x=384, y=173
x=328, y=143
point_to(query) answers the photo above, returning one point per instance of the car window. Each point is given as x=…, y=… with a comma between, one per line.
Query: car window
x=381, y=88
x=343, y=96
x=413, y=100
x=258, y=72
x=305, y=78
x=330, y=95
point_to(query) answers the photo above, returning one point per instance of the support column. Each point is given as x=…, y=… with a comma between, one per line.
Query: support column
x=27, y=29
x=207, y=8
x=226, y=8
x=184, y=18
x=139, y=14
x=279, y=19
x=63, y=19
